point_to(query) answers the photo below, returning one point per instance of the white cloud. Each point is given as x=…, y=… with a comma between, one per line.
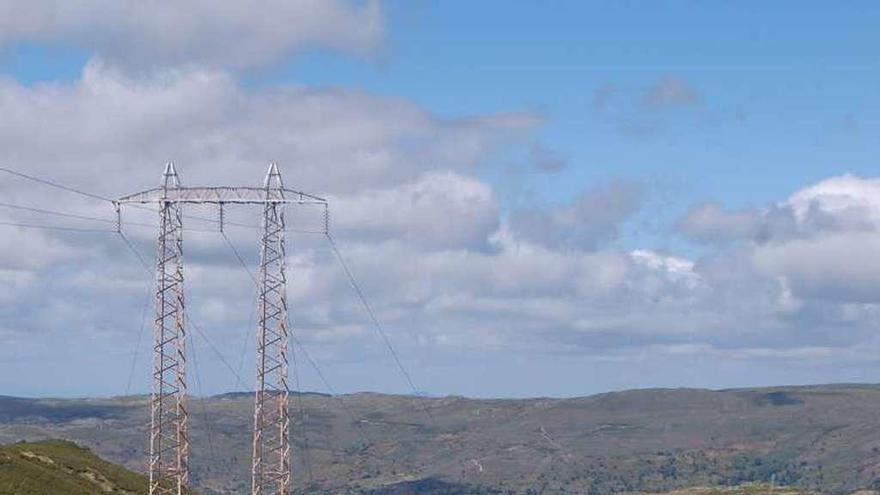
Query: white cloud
x=803, y=266
x=838, y=204
x=140, y=36
x=397, y=175
x=122, y=129
x=437, y=211
x=594, y=217
x=841, y=203
x=834, y=266
x=27, y=249
x=826, y=249
x=518, y=296
x=709, y=222
x=447, y=267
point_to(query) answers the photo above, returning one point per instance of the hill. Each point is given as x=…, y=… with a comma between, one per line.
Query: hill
x=749, y=489
x=822, y=439
x=62, y=467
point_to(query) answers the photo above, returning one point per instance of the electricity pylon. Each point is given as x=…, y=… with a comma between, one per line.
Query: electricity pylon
x=271, y=450
x=169, y=443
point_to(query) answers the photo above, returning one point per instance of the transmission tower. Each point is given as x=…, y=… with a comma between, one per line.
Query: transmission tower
x=169, y=444
x=271, y=452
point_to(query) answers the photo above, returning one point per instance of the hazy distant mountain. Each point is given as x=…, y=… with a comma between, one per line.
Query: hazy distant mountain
x=821, y=438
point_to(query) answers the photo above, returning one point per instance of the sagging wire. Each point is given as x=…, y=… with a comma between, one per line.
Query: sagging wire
x=208, y=427
x=378, y=326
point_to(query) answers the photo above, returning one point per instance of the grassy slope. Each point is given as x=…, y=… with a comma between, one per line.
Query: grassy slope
x=56, y=466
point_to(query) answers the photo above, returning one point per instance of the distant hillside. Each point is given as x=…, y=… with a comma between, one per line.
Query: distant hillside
x=58, y=467
x=749, y=489
x=818, y=439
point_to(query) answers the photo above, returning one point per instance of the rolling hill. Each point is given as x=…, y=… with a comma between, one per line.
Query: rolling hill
x=823, y=439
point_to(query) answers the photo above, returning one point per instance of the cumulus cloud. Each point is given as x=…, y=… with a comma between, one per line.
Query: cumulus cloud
x=139, y=36
x=592, y=218
x=122, y=129
x=401, y=180
x=519, y=296
x=440, y=210
x=834, y=266
x=449, y=268
x=709, y=222
x=816, y=244
x=838, y=204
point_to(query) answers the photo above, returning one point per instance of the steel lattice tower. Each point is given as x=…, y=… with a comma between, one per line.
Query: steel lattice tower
x=271, y=449
x=169, y=445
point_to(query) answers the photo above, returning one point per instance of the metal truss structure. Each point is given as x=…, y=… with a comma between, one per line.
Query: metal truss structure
x=222, y=195
x=271, y=450
x=169, y=443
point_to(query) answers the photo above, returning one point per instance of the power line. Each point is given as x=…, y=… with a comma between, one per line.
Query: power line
x=186, y=315
x=302, y=415
x=351, y=416
x=57, y=213
x=137, y=347
x=215, y=350
x=65, y=228
x=143, y=263
x=106, y=199
x=87, y=194
x=378, y=326
x=158, y=472
x=54, y=184
x=248, y=334
x=61, y=186
x=369, y=310
x=85, y=217
x=305, y=353
x=249, y=331
x=298, y=392
x=145, y=225
x=327, y=234
x=243, y=264
x=202, y=400
x=239, y=257
x=55, y=227
x=137, y=253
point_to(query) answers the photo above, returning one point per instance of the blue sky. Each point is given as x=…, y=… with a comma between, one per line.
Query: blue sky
x=533, y=192
x=788, y=91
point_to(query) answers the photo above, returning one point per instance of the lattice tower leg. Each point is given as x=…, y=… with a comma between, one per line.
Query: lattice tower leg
x=271, y=448
x=169, y=444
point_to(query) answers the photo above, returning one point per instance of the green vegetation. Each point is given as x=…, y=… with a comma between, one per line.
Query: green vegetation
x=57, y=466
x=751, y=489
x=819, y=439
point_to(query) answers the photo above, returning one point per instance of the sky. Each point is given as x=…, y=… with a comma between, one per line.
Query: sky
x=537, y=198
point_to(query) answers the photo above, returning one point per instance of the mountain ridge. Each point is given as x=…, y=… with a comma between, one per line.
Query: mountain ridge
x=821, y=438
